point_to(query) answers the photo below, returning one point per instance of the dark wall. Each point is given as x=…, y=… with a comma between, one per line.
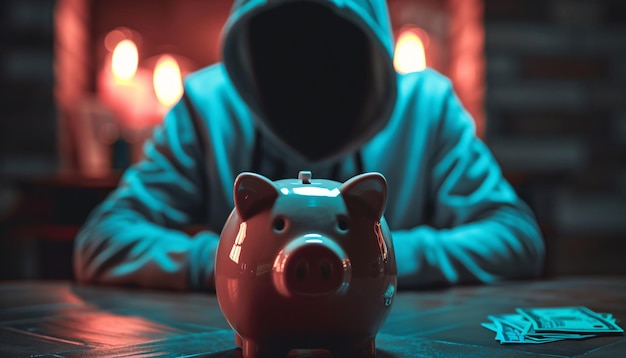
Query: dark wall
x=556, y=104
x=27, y=110
x=28, y=136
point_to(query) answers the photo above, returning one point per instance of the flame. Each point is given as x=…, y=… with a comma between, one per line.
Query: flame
x=125, y=60
x=409, y=54
x=168, y=84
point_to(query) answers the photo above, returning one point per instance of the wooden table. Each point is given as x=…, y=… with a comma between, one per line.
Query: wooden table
x=62, y=319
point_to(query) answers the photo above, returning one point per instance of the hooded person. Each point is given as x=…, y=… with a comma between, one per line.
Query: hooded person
x=310, y=85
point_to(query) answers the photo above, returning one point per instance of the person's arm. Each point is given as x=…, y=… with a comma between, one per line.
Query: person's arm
x=481, y=231
x=134, y=237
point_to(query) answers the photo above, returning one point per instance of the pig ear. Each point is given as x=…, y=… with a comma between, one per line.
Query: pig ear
x=253, y=193
x=367, y=190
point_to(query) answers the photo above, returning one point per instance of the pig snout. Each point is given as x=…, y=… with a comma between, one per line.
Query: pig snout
x=311, y=265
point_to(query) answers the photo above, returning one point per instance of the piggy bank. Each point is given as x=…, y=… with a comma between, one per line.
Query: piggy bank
x=306, y=264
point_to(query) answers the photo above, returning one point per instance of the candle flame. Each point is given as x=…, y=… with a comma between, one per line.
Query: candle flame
x=168, y=84
x=125, y=60
x=409, y=54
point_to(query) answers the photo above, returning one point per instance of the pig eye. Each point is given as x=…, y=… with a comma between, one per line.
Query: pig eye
x=279, y=224
x=342, y=223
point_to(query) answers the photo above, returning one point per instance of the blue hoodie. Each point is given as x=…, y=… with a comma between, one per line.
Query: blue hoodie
x=453, y=216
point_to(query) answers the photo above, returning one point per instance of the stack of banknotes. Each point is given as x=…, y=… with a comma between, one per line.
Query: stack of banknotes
x=551, y=324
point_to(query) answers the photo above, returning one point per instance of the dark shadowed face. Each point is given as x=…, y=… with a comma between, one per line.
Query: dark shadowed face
x=311, y=71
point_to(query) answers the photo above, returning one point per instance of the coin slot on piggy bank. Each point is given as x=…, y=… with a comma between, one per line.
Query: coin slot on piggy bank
x=294, y=265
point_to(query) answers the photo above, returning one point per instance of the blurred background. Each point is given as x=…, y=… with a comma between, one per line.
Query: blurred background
x=83, y=82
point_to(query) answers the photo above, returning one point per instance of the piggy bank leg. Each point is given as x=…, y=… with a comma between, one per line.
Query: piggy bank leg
x=252, y=349
x=365, y=348
x=238, y=340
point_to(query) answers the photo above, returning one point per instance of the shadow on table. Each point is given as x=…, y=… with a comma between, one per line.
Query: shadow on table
x=236, y=353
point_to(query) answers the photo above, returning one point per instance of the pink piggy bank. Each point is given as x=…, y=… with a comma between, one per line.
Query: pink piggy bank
x=306, y=264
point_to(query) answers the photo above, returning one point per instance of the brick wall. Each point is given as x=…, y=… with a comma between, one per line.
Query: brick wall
x=556, y=112
x=27, y=109
x=28, y=136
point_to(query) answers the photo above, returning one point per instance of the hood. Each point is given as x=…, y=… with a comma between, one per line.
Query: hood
x=317, y=74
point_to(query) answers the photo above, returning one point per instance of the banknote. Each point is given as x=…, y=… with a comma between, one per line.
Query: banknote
x=568, y=319
x=507, y=332
x=573, y=323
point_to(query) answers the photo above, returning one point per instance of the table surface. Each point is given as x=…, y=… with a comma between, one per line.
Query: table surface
x=62, y=319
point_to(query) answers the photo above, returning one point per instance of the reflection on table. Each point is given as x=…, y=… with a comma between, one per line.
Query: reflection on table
x=63, y=319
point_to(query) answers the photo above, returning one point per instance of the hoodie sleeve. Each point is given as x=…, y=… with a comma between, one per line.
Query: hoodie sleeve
x=481, y=231
x=134, y=237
